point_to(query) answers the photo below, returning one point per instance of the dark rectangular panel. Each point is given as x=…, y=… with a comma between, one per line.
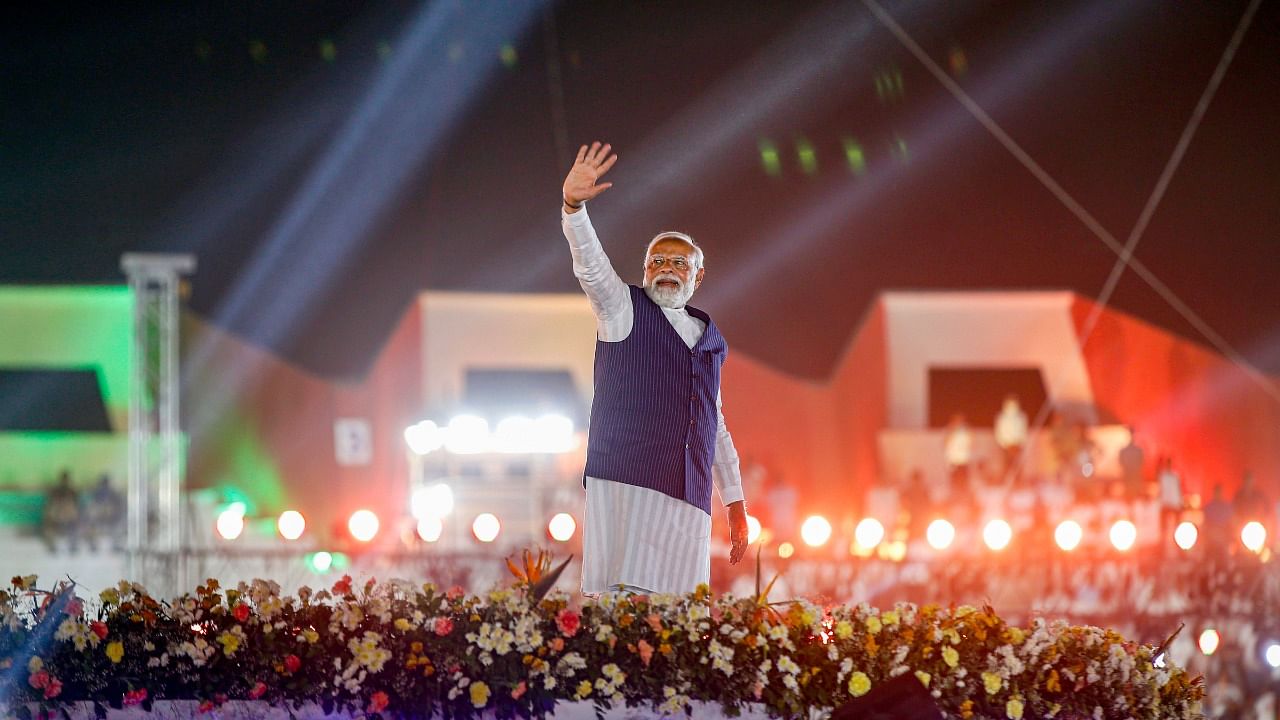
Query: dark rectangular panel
x=68, y=400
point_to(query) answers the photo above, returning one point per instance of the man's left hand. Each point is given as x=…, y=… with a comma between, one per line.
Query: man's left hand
x=737, y=531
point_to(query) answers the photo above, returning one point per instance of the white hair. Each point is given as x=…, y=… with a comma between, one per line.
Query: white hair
x=671, y=234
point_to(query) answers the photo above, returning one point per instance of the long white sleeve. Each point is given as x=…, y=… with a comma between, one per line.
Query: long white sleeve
x=610, y=298
x=726, y=470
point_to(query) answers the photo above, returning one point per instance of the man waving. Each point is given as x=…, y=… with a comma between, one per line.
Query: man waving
x=657, y=430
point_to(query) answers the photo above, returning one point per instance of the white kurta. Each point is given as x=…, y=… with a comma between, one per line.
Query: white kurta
x=634, y=536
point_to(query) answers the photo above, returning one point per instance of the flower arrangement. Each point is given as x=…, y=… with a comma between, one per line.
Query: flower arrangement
x=407, y=650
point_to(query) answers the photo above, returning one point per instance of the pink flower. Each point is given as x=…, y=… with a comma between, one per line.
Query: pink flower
x=646, y=652
x=135, y=697
x=74, y=607
x=292, y=663
x=99, y=628
x=241, y=612
x=655, y=621
x=519, y=690
x=568, y=621
x=378, y=702
x=343, y=586
x=205, y=707
x=39, y=680
x=53, y=689
x=258, y=690
x=716, y=613
x=758, y=690
x=454, y=592
x=443, y=626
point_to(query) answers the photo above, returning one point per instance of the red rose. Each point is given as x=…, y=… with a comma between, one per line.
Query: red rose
x=292, y=663
x=53, y=689
x=39, y=680
x=258, y=690
x=378, y=702
x=454, y=592
x=206, y=706
x=343, y=586
x=444, y=626
x=135, y=697
x=99, y=628
x=241, y=612
x=568, y=621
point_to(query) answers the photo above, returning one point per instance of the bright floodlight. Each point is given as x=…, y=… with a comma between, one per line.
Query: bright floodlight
x=291, y=524
x=562, y=527
x=430, y=528
x=1209, y=641
x=1186, y=534
x=230, y=523
x=514, y=435
x=997, y=534
x=431, y=501
x=753, y=529
x=467, y=435
x=1068, y=535
x=1123, y=535
x=322, y=561
x=1253, y=535
x=423, y=437
x=786, y=550
x=486, y=527
x=868, y=533
x=815, y=531
x=940, y=534
x=553, y=434
x=1272, y=655
x=363, y=525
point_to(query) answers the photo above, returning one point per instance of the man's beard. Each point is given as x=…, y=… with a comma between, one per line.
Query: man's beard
x=669, y=297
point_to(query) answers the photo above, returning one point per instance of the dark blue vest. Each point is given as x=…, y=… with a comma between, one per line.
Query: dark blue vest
x=653, y=420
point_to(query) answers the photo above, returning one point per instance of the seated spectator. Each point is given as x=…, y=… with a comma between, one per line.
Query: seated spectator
x=61, y=518
x=1011, y=433
x=105, y=514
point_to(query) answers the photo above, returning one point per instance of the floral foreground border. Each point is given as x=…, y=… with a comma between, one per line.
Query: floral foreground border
x=404, y=650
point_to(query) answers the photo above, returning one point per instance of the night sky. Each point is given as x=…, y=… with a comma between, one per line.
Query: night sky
x=215, y=129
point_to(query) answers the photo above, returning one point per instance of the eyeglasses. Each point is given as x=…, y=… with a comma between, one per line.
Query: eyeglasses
x=679, y=262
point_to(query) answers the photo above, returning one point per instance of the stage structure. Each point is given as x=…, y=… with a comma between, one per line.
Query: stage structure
x=155, y=439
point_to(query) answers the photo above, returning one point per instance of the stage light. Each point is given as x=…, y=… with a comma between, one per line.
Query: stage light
x=230, y=523
x=1068, y=535
x=753, y=529
x=786, y=550
x=431, y=501
x=430, y=528
x=363, y=525
x=320, y=562
x=1272, y=655
x=553, y=434
x=997, y=534
x=562, y=527
x=1254, y=536
x=291, y=524
x=1123, y=535
x=815, y=531
x=1209, y=640
x=486, y=527
x=514, y=434
x=940, y=534
x=868, y=533
x=1186, y=534
x=769, y=158
x=423, y=437
x=467, y=435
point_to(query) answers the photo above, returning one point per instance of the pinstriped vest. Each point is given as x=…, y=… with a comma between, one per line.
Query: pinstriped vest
x=653, y=420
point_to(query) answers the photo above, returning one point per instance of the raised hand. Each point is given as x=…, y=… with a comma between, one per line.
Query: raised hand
x=583, y=182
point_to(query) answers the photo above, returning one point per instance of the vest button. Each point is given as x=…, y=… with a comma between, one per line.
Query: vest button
x=686, y=446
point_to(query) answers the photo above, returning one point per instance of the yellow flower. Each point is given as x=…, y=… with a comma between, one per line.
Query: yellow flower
x=844, y=630
x=230, y=643
x=950, y=656
x=992, y=682
x=873, y=624
x=584, y=689
x=479, y=694
x=890, y=617
x=1053, y=683
x=859, y=684
x=115, y=651
x=311, y=636
x=1015, y=635
x=110, y=596
x=952, y=636
x=923, y=677
x=403, y=625
x=1013, y=709
x=35, y=664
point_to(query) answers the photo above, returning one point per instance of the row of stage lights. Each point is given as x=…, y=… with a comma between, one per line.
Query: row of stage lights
x=997, y=534
x=471, y=435
x=1210, y=639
